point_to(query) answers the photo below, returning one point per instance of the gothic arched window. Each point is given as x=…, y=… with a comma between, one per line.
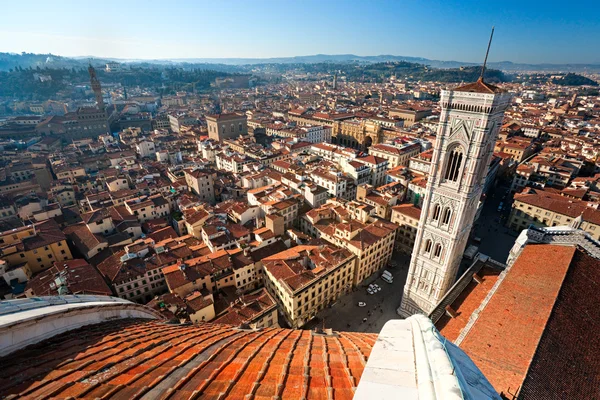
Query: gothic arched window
x=428, y=245
x=446, y=215
x=453, y=164
x=438, y=250
x=436, y=212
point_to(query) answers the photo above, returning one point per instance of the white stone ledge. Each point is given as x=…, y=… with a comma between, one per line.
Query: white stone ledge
x=30, y=321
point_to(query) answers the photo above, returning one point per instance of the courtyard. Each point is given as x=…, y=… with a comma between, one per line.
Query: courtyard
x=346, y=315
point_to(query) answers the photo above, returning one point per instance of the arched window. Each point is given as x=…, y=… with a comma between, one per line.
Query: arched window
x=428, y=245
x=438, y=250
x=436, y=212
x=455, y=159
x=446, y=215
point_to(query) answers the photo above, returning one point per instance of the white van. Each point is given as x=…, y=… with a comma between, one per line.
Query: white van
x=387, y=273
x=387, y=279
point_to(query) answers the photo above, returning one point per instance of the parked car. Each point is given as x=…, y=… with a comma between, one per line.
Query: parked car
x=362, y=304
x=387, y=279
x=370, y=291
x=500, y=206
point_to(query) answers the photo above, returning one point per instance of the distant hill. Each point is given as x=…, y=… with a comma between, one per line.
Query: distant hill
x=25, y=60
x=574, y=80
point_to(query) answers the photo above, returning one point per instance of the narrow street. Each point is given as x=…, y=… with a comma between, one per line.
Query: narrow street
x=496, y=238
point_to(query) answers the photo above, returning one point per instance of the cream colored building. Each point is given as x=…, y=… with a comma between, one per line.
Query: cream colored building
x=541, y=208
x=39, y=245
x=371, y=242
x=406, y=216
x=306, y=279
x=257, y=310
x=395, y=155
x=226, y=126
x=410, y=114
x=202, y=183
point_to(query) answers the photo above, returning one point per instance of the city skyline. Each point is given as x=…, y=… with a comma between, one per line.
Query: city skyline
x=527, y=33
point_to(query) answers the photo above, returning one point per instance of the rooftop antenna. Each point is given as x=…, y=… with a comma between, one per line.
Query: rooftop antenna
x=486, y=55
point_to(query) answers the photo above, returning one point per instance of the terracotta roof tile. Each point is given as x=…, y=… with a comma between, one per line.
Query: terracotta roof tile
x=504, y=338
x=467, y=302
x=126, y=358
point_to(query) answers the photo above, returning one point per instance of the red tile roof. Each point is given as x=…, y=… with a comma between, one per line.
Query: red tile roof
x=249, y=309
x=77, y=276
x=567, y=362
x=479, y=87
x=409, y=210
x=504, y=338
x=126, y=359
x=467, y=302
x=559, y=204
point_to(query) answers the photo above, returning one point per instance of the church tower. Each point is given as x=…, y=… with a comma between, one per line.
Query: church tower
x=470, y=120
x=97, y=88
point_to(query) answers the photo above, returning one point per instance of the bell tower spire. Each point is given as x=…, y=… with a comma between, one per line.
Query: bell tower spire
x=96, y=87
x=486, y=55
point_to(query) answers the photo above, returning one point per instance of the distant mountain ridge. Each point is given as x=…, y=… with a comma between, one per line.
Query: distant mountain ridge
x=10, y=60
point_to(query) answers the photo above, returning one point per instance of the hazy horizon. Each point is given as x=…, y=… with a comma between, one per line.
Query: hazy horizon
x=526, y=32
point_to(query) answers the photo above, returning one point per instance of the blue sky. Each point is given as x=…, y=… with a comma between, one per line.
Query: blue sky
x=526, y=31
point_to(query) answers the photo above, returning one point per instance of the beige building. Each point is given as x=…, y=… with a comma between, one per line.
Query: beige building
x=305, y=279
x=410, y=115
x=520, y=149
x=38, y=245
x=371, y=242
x=406, y=216
x=358, y=134
x=226, y=126
x=202, y=183
x=212, y=272
x=395, y=155
x=200, y=307
x=541, y=208
x=257, y=310
x=381, y=200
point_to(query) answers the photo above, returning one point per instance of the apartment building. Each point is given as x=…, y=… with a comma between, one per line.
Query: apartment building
x=372, y=241
x=396, y=155
x=305, y=279
x=520, y=149
x=542, y=208
x=306, y=133
x=37, y=246
x=147, y=208
x=214, y=271
x=378, y=166
x=546, y=170
x=136, y=273
x=336, y=183
x=201, y=181
x=410, y=114
x=226, y=126
x=406, y=216
x=256, y=310
x=381, y=199
x=145, y=148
